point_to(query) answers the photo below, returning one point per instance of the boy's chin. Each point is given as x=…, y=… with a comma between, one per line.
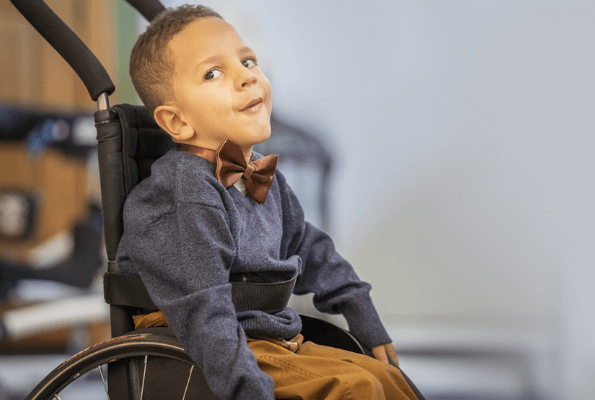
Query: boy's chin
x=250, y=137
x=262, y=136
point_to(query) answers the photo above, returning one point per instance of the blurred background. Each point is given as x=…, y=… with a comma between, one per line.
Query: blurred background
x=453, y=140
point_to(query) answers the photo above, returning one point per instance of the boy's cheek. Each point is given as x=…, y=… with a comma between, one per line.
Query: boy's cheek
x=268, y=96
x=265, y=81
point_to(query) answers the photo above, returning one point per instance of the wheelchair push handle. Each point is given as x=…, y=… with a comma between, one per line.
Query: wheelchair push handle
x=148, y=8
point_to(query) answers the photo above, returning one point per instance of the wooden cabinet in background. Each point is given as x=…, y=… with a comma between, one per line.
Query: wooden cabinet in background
x=33, y=76
x=32, y=72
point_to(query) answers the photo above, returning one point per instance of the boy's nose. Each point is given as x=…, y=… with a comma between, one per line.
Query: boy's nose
x=248, y=78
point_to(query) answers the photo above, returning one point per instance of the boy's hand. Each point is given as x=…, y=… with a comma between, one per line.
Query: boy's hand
x=384, y=351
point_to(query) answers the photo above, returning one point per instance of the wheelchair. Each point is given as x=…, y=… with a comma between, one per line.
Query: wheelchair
x=147, y=363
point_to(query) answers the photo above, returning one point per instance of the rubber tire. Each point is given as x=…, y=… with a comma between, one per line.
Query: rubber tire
x=136, y=344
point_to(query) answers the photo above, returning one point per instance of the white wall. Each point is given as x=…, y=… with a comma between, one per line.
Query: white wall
x=463, y=132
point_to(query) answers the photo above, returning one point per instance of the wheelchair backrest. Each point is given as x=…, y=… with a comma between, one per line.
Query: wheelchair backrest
x=129, y=142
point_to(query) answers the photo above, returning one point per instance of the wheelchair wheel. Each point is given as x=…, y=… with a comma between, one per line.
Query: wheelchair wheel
x=144, y=365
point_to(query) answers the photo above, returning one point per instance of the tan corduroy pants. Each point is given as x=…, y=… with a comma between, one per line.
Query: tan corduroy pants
x=313, y=372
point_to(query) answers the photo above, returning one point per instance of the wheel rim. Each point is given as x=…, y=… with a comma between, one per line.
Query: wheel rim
x=79, y=366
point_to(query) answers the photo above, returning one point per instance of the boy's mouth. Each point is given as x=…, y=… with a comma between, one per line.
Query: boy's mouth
x=253, y=103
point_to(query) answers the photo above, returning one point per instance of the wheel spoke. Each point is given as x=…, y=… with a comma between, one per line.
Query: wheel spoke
x=103, y=380
x=127, y=353
x=188, y=383
x=144, y=374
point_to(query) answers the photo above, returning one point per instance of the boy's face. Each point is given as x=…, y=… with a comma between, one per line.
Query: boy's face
x=217, y=86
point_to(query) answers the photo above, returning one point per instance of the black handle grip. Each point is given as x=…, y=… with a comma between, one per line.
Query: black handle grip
x=68, y=45
x=148, y=8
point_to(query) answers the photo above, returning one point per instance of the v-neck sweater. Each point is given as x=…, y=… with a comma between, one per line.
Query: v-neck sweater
x=185, y=233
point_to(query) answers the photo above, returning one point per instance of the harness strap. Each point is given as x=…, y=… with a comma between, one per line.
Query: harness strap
x=126, y=290
x=129, y=290
x=270, y=297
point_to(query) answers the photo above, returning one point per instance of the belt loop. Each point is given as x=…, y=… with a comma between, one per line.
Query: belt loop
x=292, y=346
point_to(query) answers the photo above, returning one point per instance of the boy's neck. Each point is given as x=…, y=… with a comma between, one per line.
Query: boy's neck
x=208, y=154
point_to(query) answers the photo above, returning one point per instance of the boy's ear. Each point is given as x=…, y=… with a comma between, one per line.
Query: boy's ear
x=170, y=120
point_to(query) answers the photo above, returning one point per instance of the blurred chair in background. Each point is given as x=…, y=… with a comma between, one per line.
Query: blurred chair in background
x=307, y=164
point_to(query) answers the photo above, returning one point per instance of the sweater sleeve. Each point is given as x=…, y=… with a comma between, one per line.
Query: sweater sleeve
x=184, y=259
x=336, y=286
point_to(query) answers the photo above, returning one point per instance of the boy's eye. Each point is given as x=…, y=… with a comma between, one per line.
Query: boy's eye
x=249, y=62
x=212, y=74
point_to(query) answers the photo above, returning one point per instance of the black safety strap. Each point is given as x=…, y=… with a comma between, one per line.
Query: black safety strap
x=126, y=290
x=268, y=297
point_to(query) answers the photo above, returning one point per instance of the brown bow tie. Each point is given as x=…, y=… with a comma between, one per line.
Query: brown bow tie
x=231, y=166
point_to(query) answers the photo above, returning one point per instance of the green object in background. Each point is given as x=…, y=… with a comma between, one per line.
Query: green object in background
x=126, y=20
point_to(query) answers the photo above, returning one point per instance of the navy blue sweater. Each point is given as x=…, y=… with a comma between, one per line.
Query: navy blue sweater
x=185, y=233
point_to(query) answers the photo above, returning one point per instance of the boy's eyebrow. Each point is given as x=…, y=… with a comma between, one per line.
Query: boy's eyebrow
x=245, y=50
x=208, y=60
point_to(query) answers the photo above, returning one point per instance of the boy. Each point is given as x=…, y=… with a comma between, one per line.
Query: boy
x=219, y=241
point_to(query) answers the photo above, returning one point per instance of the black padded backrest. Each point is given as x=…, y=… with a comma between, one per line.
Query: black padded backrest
x=129, y=141
x=143, y=142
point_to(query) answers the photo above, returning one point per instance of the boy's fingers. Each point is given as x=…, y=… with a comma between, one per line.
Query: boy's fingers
x=380, y=353
x=392, y=353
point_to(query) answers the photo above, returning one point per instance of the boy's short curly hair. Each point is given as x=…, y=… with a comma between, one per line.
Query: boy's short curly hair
x=151, y=64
